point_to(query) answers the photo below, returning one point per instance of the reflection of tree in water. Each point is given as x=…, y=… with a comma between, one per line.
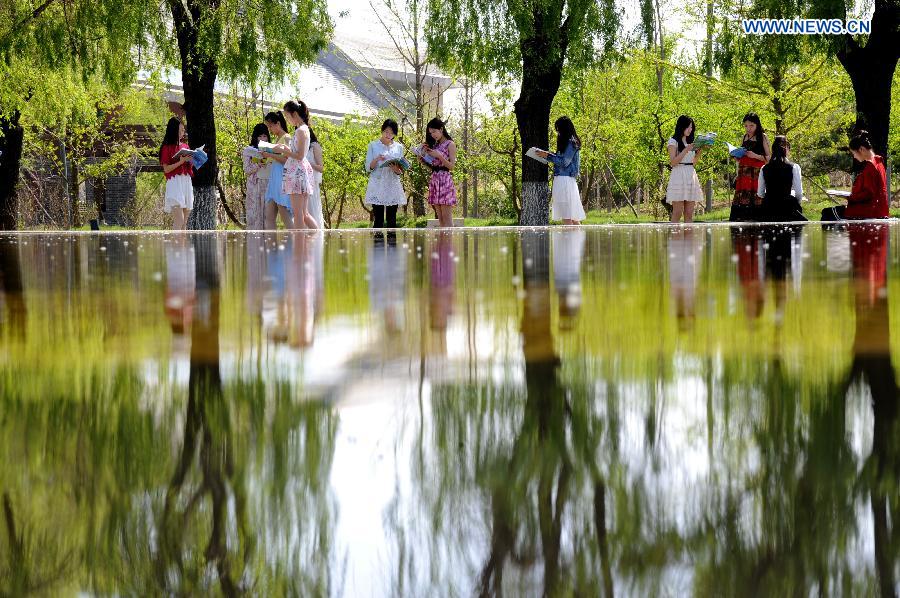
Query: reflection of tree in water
x=529, y=451
x=542, y=462
x=872, y=367
x=13, y=298
x=791, y=529
x=207, y=439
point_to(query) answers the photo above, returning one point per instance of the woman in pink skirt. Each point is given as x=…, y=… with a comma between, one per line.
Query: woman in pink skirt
x=299, y=179
x=441, y=158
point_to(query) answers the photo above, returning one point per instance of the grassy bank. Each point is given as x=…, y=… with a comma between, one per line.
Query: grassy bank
x=812, y=210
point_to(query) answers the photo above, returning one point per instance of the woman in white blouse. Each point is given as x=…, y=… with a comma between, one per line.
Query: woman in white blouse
x=781, y=186
x=385, y=189
x=318, y=166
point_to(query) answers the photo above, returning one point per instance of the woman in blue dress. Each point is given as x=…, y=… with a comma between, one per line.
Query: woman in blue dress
x=276, y=201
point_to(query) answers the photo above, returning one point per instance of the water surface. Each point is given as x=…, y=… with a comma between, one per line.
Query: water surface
x=602, y=411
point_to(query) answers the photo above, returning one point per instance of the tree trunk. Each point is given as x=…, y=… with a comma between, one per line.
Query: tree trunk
x=871, y=70
x=467, y=113
x=872, y=88
x=10, y=159
x=199, y=70
x=541, y=77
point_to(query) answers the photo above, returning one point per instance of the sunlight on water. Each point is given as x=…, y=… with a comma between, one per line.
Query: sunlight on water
x=571, y=411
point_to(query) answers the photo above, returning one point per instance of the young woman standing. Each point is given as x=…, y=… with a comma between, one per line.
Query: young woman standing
x=746, y=203
x=298, y=173
x=684, y=189
x=318, y=166
x=179, y=173
x=277, y=203
x=442, y=150
x=384, y=191
x=566, y=165
x=257, y=170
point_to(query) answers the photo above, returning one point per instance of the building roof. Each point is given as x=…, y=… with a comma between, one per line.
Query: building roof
x=348, y=77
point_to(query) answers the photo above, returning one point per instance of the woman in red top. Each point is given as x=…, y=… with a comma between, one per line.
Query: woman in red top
x=747, y=205
x=179, y=172
x=868, y=198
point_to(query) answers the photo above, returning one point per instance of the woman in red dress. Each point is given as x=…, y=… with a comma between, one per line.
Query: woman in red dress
x=868, y=198
x=746, y=205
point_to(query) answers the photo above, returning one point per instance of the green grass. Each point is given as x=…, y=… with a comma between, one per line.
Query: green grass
x=623, y=215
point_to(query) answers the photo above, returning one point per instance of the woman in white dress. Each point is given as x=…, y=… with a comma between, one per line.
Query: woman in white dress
x=318, y=166
x=385, y=189
x=684, y=187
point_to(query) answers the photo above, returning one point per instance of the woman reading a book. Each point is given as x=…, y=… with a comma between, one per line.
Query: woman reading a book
x=868, y=198
x=298, y=173
x=441, y=152
x=684, y=189
x=384, y=163
x=745, y=207
x=566, y=162
x=277, y=202
x=257, y=168
x=179, y=173
x=780, y=186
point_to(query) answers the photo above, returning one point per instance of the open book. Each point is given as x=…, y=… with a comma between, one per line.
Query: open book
x=735, y=151
x=265, y=146
x=420, y=152
x=837, y=193
x=188, y=152
x=401, y=162
x=533, y=154
x=704, y=140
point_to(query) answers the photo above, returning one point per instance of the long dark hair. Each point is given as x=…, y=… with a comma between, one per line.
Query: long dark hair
x=260, y=129
x=436, y=123
x=759, y=147
x=172, y=136
x=312, y=137
x=565, y=133
x=780, y=146
x=298, y=107
x=684, y=121
x=277, y=117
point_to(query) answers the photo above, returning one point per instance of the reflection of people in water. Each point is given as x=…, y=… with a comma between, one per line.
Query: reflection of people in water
x=685, y=246
x=301, y=289
x=180, y=283
x=872, y=366
x=256, y=274
x=781, y=252
x=387, y=282
x=275, y=312
x=750, y=268
x=568, y=251
x=773, y=251
x=443, y=274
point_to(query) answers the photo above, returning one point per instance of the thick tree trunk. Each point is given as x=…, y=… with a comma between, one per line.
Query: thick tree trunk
x=533, y=116
x=872, y=88
x=540, y=82
x=199, y=70
x=871, y=70
x=11, y=138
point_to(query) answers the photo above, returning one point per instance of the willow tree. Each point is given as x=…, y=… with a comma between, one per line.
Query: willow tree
x=207, y=39
x=532, y=41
